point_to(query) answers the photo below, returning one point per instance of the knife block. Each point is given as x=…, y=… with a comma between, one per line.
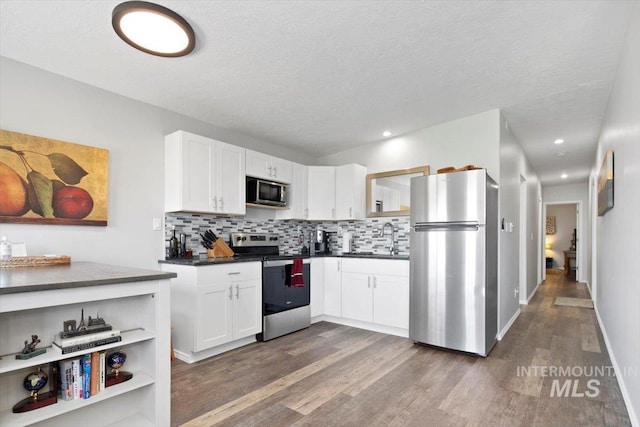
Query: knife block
x=220, y=250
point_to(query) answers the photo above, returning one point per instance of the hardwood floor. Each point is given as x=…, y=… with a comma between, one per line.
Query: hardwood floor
x=333, y=375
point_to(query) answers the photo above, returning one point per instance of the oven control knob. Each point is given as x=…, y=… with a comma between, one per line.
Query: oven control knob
x=273, y=238
x=244, y=238
x=238, y=238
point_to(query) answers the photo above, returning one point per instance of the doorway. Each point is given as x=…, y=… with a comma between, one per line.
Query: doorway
x=562, y=249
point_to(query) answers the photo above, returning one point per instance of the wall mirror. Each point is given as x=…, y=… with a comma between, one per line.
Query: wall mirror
x=388, y=192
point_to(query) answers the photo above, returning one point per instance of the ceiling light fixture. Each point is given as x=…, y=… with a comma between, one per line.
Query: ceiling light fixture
x=386, y=133
x=563, y=176
x=558, y=141
x=153, y=29
x=561, y=154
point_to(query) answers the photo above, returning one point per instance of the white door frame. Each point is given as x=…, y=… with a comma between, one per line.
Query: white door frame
x=522, y=237
x=579, y=232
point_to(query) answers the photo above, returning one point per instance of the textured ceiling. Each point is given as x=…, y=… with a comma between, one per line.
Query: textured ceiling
x=322, y=76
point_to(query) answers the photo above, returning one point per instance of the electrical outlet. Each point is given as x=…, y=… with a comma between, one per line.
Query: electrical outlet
x=516, y=292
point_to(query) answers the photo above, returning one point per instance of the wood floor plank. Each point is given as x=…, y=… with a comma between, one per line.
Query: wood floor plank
x=249, y=399
x=590, y=338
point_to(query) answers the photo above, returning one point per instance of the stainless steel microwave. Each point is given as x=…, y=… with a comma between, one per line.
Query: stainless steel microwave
x=266, y=192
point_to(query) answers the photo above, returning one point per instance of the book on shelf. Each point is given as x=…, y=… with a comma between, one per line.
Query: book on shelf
x=86, y=376
x=95, y=372
x=103, y=371
x=86, y=345
x=82, y=339
x=65, y=386
x=77, y=386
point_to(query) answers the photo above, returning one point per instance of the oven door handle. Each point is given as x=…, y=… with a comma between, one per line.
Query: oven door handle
x=282, y=262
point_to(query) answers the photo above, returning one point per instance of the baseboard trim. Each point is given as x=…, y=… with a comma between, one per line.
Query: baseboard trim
x=623, y=387
x=533, y=293
x=391, y=330
x=506, y=328
x=201, y=355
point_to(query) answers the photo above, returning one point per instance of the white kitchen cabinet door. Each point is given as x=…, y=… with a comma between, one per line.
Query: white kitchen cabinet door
x=282, y=170
x=258, y=165
x=267, y=167
x=296, y=194
x=357, y=296
x=332, y=287
x=230, y=171
x=350, y=192
x=189, y=182
x=213, y=323
x=203, y=175
x=391, y=301
x=317, y=287
x=247, y=304
x=322, y=193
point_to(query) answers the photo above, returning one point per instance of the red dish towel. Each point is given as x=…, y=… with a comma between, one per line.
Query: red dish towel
x=297, y=279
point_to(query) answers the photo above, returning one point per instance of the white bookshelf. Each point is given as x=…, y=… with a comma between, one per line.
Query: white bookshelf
x=140, y=310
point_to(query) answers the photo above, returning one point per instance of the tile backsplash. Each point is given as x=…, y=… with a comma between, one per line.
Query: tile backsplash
x=292, y=234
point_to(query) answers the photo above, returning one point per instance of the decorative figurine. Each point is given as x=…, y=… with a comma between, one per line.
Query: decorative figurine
x=33, y=383
x=30, y=349
x=94, y=325
x=115, y=362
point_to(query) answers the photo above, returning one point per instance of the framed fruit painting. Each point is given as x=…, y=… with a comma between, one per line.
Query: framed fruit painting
x=45, y=181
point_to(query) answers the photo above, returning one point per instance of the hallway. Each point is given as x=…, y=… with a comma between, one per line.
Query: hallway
x=333, y=375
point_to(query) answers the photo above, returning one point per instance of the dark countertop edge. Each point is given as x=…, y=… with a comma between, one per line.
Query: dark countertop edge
x=80, y=274
x=84, y=283
x=199, y=262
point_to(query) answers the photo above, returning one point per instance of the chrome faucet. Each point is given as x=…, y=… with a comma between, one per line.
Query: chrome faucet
x=392, y=249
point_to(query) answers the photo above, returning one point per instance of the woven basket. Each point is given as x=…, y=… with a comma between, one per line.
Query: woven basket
x=35, y=261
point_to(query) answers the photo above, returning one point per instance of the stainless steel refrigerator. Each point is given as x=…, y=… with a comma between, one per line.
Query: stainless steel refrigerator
x=454, y=261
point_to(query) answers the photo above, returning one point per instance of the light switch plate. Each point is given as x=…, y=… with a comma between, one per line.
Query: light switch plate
x=157, y=224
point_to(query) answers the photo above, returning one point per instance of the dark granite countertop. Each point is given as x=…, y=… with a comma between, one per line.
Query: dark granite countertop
x=203, y=261
x=74, y=275
x=200, y=261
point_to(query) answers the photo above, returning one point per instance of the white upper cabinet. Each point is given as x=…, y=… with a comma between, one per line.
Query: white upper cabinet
x=297, y=199
x=337, y=193
x=322, y=193
x=203, y=175
x=351, y=192
x=263, y=166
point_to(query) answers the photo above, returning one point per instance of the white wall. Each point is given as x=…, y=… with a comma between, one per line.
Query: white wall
x=617, y=237
x=572, y=193
x=40, y=103
x=513, y=166
x=565, y=223
x=469, y=140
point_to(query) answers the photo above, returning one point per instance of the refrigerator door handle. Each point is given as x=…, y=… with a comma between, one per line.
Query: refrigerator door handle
x=447, y=226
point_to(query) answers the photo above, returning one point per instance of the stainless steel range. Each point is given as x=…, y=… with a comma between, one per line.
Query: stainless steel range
x=285, y=308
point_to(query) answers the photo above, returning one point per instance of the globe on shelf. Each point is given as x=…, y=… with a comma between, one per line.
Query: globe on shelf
x=35, y=381
x=115, y=362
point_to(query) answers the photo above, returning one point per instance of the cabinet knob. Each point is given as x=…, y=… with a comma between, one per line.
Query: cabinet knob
x=237, y=291
x=350, y=212
x=230, y=291
x=275, y=171
x=221, y=204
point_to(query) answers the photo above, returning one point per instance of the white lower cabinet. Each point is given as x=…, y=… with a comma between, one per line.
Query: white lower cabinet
x=376, y=291
x=332, y=287
x=212, y=306
x=317, y=287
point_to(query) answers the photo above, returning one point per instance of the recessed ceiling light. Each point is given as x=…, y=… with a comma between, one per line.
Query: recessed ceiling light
x=561, y=154
x=564, y=176
x=153, y=29
x=386, y=133
x=558, y=141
